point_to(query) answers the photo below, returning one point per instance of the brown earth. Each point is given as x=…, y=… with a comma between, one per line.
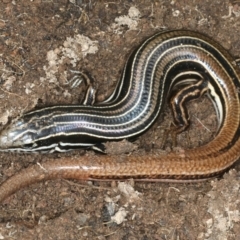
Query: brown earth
x=32, y=30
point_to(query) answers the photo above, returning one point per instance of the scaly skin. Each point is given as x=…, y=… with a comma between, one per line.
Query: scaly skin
x=189, y=166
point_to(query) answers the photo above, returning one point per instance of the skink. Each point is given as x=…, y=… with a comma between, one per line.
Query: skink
x=189, y=60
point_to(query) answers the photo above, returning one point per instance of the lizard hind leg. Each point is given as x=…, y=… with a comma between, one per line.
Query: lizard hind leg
x=179, y=110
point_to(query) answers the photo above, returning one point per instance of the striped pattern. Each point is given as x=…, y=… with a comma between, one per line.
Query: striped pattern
x=185, y=59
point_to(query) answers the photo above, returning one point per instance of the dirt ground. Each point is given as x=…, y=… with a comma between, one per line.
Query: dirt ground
x=40, y=42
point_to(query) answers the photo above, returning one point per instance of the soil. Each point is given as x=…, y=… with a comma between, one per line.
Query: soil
x=39, y=46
